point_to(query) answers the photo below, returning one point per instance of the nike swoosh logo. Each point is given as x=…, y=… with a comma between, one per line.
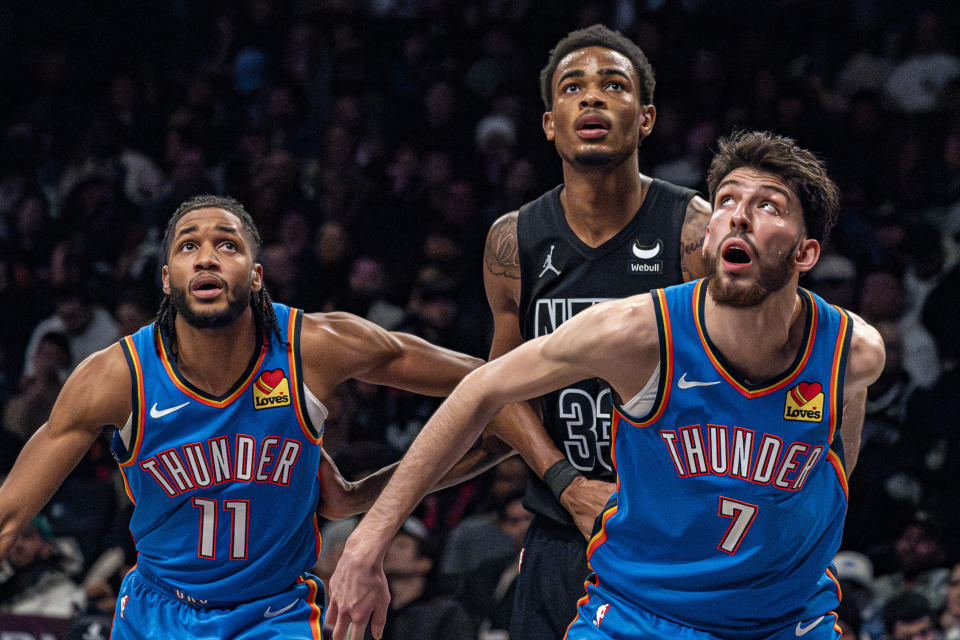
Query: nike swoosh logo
x=804, y=630
x=159, y=414
x=272, y=614
x=683, y=383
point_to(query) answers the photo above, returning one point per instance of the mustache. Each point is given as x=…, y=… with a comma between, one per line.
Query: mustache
x=737, y=233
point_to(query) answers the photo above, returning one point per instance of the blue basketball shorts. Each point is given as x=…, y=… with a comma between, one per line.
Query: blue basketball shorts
x=146, y=611
x=602, y=616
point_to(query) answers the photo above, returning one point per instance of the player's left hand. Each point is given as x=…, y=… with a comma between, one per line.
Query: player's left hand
x=358, y=595
x=584, y=499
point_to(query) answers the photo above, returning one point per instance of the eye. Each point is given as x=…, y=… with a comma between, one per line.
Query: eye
x=187, y=246
x=615, y=86
x=570, y=88
x=771, y=207
x=725, y=201
x=229, y=245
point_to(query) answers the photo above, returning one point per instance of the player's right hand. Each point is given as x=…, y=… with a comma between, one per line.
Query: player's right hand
x=584, y=499
x=358, y=594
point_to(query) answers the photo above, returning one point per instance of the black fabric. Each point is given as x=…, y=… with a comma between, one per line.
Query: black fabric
x=551, y=580
x=560, y=276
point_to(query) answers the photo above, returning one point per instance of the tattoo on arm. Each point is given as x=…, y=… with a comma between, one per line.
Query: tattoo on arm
x=692, y=263
x=501, y=253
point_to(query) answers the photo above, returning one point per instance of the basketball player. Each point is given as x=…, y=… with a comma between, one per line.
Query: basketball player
x=738, y=403
x=220, y=408
x=607, y=232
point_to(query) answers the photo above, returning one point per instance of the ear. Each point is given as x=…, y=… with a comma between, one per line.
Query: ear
x=257, y=276
x=648, y=116
x=165, y=279
x=548, y=129
x=807, y=254
x=706, y=242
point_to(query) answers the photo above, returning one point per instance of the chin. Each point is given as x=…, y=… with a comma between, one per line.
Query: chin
x=736, y=294
x=595, y=159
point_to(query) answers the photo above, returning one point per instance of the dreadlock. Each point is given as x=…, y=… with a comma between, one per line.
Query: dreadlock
x=264, y=317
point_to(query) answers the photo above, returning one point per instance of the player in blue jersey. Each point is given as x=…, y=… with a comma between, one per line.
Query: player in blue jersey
x=739, y=400
x=219, y=408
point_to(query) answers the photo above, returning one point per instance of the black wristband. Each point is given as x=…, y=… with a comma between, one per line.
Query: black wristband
x=559, y=476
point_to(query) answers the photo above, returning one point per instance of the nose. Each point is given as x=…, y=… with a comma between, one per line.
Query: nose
x=206, y=257
x=740, y=218
x=591, y=98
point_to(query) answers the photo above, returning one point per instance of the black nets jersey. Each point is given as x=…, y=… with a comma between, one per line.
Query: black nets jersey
x=559, y=277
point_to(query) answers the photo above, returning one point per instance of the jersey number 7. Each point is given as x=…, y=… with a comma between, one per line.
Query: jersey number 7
x=742, y=514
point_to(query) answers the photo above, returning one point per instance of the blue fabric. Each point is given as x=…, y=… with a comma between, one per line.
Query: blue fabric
x=225, y=488
x=731, y=495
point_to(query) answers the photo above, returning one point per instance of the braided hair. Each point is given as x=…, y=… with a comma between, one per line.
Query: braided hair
x=264, y=317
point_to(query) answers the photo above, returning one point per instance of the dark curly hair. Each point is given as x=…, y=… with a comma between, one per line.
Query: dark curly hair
x=772, y=153
x=598, y=36
x=263, y=314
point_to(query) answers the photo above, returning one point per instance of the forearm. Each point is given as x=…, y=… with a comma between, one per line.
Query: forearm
x=447, y=436
x=520, y=427
x=27, y=489
x=423, y=368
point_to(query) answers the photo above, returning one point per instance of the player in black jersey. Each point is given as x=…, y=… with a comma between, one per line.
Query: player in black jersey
x=607, y=232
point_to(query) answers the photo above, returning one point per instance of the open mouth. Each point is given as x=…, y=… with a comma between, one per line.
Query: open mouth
x=592, y=127
x=736, y=255
x=207, y=287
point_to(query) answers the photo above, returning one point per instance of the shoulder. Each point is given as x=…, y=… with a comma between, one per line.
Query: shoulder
x=501, y=251
x=695, y=222
x=615, y=327
x=866, y=357
x=98, y=390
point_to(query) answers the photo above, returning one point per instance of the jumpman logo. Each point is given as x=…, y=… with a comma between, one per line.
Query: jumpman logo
x=548, y=263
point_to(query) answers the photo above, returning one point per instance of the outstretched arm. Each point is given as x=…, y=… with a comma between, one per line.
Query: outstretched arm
x=341, y=498
x=96, y=394
x=612, y=342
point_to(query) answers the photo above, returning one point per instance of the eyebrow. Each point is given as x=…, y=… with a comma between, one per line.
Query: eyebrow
x=220, y=227
x=579, y=73
x=786, y=194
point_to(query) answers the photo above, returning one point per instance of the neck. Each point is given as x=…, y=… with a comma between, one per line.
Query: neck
x=213, y=359
x=599, y=201
x=761, y=341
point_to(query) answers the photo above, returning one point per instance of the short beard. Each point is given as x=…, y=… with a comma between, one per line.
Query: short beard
x=729, y=293
x=236, y=305
x=598, y=159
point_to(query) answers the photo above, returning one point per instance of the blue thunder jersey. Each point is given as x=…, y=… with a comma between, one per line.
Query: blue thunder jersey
x=730, y=496
x=225, y=489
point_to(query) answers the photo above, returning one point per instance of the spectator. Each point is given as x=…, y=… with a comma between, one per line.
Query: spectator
x=950, y=616
x=919, y=558
x=415, y=612
x=908, y=616
x=88, y=327
x=31, y=405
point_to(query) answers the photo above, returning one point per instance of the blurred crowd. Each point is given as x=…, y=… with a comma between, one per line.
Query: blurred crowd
x=374, y=143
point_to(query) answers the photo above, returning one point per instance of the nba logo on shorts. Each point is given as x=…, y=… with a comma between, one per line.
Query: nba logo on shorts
x=601, y=611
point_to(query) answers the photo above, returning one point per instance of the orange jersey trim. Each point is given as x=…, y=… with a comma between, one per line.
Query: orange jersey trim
x=316, y=610
x=219, y=404
x=794, y=372
x=834, y=459
x=836, y=411
x=666, y=375
x=292, y=355
x=141, y=416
